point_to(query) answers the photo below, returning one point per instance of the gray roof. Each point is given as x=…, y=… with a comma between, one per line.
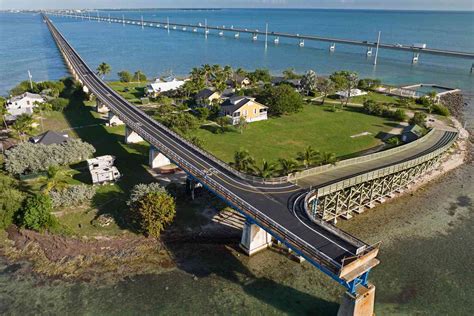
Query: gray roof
x=49, y=138
x=205, y=93
x=235, y=102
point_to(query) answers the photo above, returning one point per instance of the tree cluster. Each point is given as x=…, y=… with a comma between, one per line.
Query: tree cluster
x=36, y=213
x=379, y=109
x=11, y=199
x=28, y=157
x=152, y=208
x=244, y=162
x=282, y=99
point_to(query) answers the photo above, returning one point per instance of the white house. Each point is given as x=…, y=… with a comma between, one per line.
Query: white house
x=163, y=85
x=354, y=93
x=22, y=104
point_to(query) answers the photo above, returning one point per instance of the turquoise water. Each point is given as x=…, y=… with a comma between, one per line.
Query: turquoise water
x=425, y=267
x=156, y=51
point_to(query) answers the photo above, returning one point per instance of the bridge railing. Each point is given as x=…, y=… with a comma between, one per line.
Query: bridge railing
x=274, y=228
x=357, y=160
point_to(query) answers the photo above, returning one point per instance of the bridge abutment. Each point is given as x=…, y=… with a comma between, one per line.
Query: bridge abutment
x=132, y=137
x=254, y=239
x=360, y=304
x=114, y=120
x=101, y=107
x=156, y=159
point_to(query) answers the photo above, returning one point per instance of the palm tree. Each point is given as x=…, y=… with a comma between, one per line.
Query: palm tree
x=103, y=69
x=139, y=75
x=54, y=179
x=23, y=125
x=223, y=122
x=287, y=166
x=266, y=171
x=326, y=158
x=242, y=160
x=308, y=156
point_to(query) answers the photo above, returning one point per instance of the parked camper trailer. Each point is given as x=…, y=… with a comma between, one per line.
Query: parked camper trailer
x=102, y=169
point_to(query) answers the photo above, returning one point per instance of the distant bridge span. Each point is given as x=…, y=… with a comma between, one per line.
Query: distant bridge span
x=276, y=35
x=271, y=207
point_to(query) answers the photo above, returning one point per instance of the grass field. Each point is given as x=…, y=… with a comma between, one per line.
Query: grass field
x=285, y=136
x=378, y=97
x=132, y=91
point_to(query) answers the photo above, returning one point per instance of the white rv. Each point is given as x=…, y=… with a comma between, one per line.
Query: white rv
x=102, y=169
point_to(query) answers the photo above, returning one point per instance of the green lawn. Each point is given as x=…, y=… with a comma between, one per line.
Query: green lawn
x=378, y=97
x=285, y=136
x=136, y=90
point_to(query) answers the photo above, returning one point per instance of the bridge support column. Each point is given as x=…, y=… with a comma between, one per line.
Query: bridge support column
x=416, y=57
x=156, y=159
x=85, y=89
x=360, y=304
x=114, y=120
x=254, y=239
x=100, y=107
x=132, y=137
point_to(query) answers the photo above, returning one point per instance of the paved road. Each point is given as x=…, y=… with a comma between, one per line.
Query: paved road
x=438, y=139
x=269, y=205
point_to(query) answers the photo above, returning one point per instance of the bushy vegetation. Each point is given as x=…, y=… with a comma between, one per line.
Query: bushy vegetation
x=152, y=208
x=59, y=104
x=29, y=157
x=139, y=190
x=419, y=118
x=36, y=213
x=11, y=199
x=72, y=195
x=441, y=109
x=280, y=100
x=375, y=108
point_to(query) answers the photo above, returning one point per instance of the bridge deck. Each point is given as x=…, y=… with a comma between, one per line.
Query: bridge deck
x=330, y=176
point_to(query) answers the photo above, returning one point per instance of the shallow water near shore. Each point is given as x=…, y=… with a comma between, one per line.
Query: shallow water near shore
x=425, y=270
x=426, y=265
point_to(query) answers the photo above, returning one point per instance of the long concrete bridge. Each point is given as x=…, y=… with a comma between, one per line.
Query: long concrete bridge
x=275, y=209
x=416, y=49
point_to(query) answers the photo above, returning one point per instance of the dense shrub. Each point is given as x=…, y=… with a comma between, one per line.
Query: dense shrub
x=142, y=189
x=29, y=157
x=441, y=109
x=36, y=213
x=125, y=76
x=10, y=200
x=418, y=118
x=72, y=195
x=400, y=115
x=59, y=104
x=154, y=211
x=368, y=84
x=280, y=100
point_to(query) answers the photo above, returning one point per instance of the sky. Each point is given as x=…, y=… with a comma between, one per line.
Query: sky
x=461, y=5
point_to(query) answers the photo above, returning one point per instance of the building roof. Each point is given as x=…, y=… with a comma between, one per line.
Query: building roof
x=205, y=93
x=414, y=129
x=235, y=102
x=24, y=95
x=354, y=93
x=49, y=138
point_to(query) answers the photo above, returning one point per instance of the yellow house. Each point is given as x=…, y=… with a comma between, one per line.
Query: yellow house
x=238, y=107
x=206, y=96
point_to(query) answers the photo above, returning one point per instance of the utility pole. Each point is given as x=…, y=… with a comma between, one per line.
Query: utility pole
x=168, y=24
x=98, y=16
x=29, y=78
x=266, y=35
x=123, y=20
x=142, y=22
x=377, y=49
x=205, y=27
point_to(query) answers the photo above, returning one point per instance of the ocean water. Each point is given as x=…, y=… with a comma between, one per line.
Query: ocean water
x=425, y=267
x=155, y=51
